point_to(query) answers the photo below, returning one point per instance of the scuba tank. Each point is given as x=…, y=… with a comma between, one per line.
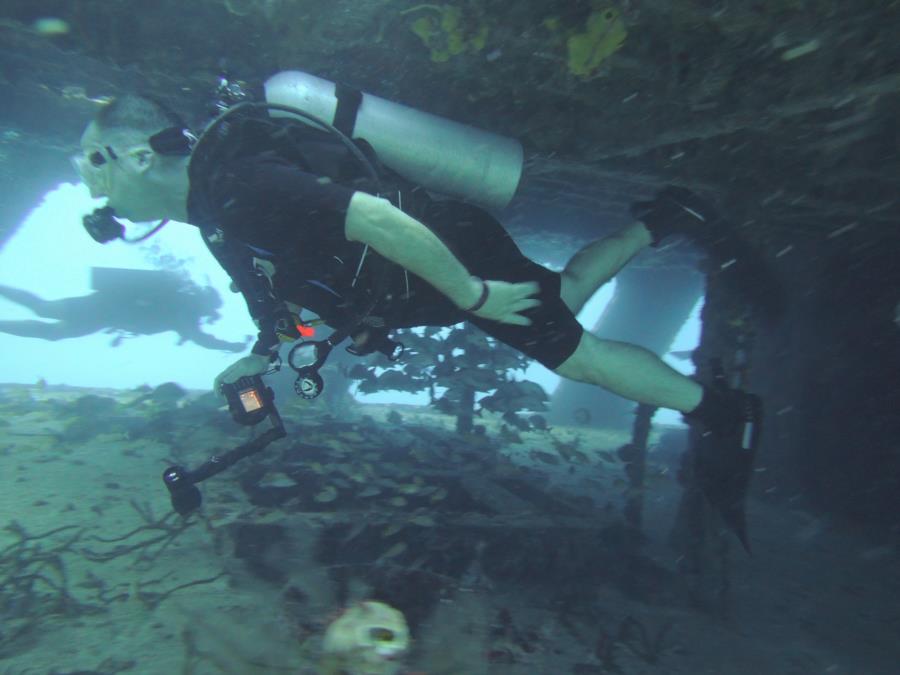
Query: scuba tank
x=443, y=156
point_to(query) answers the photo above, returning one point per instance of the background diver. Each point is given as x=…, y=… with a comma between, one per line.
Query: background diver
x=125, y=302
x=291, y=222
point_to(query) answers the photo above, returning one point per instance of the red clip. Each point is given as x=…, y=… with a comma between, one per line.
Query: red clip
x=305, y=331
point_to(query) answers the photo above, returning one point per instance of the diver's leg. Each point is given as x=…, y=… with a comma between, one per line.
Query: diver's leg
x=674, y=210
x=600, y=261
x=632, y=372
x=37, y=305
x=42, y=330
x=723, y=457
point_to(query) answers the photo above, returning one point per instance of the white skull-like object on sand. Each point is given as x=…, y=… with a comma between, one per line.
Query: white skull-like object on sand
x=367, y=639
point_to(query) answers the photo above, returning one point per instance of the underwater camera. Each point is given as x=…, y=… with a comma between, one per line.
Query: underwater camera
x=250, y=402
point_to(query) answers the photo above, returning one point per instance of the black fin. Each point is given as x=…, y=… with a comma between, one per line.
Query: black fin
x=724, y=467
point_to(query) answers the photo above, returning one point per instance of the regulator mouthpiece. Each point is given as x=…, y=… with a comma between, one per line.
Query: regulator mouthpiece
x=103, y=226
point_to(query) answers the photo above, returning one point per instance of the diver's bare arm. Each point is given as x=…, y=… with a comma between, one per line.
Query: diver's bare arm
x=407, y=242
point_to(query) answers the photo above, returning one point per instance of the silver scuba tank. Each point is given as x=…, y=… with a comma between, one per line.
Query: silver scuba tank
x=446, y=157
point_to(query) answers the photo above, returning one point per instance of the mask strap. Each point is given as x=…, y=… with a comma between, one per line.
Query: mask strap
x=176, y=141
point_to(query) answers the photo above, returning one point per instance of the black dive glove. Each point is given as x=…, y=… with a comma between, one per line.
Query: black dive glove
x=675, y=210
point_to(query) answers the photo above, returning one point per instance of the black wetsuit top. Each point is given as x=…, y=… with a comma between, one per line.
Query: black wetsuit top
x=258, y=204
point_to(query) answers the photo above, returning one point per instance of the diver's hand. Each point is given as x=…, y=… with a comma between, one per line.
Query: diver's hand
x=253, y=364
x=506, y=302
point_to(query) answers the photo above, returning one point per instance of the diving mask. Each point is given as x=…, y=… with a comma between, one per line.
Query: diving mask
x=93, y=167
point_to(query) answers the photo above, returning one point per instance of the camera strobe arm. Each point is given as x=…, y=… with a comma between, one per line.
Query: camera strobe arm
x=218, y=463
x=249, y=402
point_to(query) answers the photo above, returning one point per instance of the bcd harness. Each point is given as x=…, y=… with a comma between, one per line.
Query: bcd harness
x=244, y=129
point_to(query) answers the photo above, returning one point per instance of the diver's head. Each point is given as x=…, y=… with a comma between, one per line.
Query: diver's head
x=123, y=160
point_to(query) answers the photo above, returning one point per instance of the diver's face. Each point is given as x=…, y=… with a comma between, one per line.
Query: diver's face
x=115, y=164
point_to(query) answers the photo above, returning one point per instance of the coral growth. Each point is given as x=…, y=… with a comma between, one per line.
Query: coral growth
x=449, y=31
x=589, y=46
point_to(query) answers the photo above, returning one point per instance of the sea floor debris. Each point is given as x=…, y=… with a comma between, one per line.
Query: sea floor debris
x=501, y=561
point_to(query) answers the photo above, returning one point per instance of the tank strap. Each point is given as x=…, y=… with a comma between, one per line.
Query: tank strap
x=348, y=102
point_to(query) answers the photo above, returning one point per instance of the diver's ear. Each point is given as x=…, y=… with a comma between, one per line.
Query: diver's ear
x=140, y=158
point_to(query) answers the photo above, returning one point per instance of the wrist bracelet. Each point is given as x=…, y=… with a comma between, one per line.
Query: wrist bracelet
x=482, y=298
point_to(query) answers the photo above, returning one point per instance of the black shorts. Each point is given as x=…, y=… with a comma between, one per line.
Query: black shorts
x=487, y=250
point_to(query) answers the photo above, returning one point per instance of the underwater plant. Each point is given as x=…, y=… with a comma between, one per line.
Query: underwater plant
x=462, y=363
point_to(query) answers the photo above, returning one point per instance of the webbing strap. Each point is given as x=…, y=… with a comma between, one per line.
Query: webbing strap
x=348, y=102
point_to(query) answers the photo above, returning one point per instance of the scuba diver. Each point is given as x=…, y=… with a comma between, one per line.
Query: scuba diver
x=125, y=302
x=299, y=219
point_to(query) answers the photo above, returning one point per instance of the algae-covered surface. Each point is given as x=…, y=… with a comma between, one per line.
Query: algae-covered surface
x=505, y=556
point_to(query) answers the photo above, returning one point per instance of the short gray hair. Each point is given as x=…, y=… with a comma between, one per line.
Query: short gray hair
x=140, y=113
